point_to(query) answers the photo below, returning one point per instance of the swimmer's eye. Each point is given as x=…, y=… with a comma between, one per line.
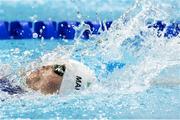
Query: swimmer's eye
x=59, y=69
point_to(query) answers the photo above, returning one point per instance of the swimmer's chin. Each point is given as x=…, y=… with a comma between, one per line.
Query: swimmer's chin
x=41, y=93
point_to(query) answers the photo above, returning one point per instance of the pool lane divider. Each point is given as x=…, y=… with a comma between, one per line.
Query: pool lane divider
x=4, y=33
x=45, y=29
x=48, y=29
x=168, y=31
x=65, y=29
x=21, y=30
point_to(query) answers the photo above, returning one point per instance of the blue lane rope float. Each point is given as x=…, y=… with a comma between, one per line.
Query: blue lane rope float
x=65, y=29
x=169, y=31
x=94, y=29
x=172, y=30
x=4, y=33
x=107, y=24
x=21, y=30
x=45, y=29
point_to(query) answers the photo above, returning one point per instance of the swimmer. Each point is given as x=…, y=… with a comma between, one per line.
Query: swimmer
x=63, y=77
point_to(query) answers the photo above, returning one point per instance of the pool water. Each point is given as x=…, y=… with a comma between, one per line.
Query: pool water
x=159, y=101
x=147, y=86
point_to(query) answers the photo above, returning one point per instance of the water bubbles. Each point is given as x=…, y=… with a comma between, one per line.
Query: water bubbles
x=34, y=18
x=15, y=51
x=43, y=27
x=35, y=35
x=79, y=15
x=27, y=53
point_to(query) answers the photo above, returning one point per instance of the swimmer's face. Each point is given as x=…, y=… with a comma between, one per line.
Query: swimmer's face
x=44, y=80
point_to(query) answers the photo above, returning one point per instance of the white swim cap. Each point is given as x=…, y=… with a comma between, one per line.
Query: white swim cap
x=76, y=77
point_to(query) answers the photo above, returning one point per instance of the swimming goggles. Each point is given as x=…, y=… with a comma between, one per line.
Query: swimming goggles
x=59, y=69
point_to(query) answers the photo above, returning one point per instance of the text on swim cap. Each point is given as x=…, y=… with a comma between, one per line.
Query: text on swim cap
x=78, y=82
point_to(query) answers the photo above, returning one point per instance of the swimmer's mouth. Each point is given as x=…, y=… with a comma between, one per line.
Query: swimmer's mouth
x=59, y=69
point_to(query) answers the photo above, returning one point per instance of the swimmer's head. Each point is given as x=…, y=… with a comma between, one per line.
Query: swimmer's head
x=46, y=79
x=65, y=77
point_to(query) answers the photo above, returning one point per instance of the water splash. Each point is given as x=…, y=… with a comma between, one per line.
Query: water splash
x=129, y=40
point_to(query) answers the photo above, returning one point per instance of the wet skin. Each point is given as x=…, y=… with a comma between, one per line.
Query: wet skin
x=44, y=80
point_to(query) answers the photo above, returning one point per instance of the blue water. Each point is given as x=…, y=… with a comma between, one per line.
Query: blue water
x=123, y=93
x=157, y=102
x=63, y=9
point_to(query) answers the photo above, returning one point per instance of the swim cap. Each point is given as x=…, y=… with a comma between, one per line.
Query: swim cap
x=77, y=76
